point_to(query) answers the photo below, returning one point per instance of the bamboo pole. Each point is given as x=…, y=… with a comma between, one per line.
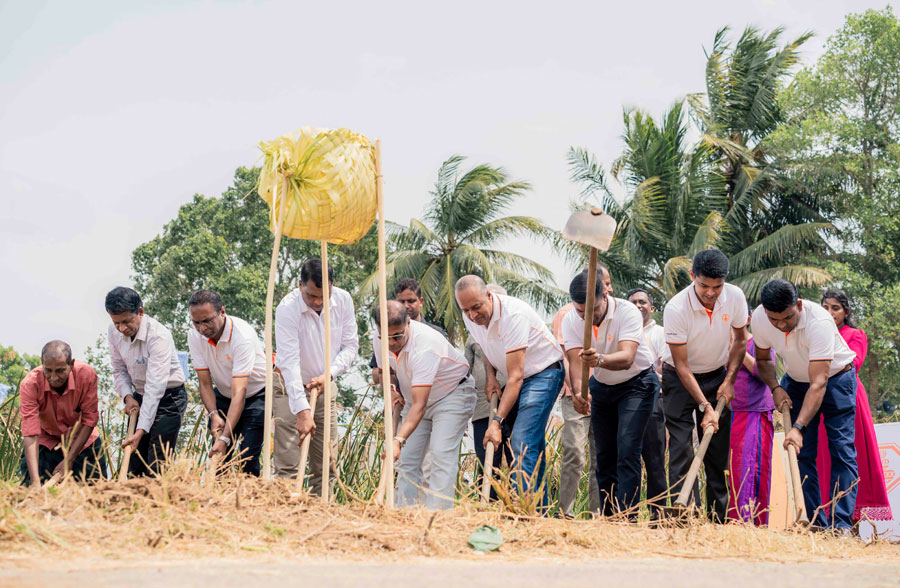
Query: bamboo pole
x=126, y=457
x=304, y=449
x=326, y=384
x=270, y=295
x=688, y=484
x=385, y=353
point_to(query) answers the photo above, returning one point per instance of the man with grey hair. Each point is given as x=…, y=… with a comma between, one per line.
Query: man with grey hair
x=439, y=397
x=517, y=344
x=59, y=409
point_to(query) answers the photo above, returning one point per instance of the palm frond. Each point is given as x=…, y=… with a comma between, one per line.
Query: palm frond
x=803, y=276
x=780, y=245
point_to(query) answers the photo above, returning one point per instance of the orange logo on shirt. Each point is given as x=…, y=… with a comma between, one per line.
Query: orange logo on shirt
x=228, y=357
x=725, y=318
x=609, y=338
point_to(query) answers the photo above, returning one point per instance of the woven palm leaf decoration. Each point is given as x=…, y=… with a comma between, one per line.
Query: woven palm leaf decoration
x=330, y=181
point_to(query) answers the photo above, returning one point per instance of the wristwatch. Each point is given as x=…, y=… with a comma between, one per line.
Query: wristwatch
x=224, y=439
x=799, y=427
x=499, y=419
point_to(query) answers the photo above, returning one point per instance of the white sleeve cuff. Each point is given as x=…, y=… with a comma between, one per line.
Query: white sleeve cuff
x=297, y=397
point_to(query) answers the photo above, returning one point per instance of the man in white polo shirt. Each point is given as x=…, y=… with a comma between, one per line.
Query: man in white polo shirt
x=231, y=367
x=819, y=379
x=654, y=450
x=623, y=389
x=147, y=377
x=700, y=366
x=516, y=343
x=300, y=356
x=439, y=399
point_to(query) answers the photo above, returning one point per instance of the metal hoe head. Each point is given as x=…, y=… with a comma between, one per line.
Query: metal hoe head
x=593, y=228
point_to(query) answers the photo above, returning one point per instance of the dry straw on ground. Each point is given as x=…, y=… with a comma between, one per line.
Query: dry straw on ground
x=185, y=513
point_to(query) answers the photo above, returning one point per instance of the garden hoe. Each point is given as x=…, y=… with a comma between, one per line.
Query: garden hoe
x=795, y=490
x=126, y=457
x=595, y=229
x=680, y=510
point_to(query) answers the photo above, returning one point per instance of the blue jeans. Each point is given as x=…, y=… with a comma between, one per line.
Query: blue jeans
x=529, y=438
x=620, y=413
x=839, y=409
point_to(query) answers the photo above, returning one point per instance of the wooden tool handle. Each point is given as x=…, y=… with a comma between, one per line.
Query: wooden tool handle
x=589, y=318
x=304, y=448
x=795, y=485
x=126, y=457
x=698, y=459
x=488, y=473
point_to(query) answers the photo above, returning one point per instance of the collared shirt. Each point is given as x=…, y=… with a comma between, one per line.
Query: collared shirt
x=815, y=338
x=622, y=322
x=147, y=364
x=655, y=339
x=707, y=334
x=238, y=354
x=300, y=342
x=427, y=359
x=514, y=325
x=557, y=332
x=373, y=363
x=475, y=358
x=51, y=416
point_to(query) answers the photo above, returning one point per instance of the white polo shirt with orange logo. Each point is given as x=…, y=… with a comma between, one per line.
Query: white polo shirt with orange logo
x=815, y=338
x=623, y=322
x=238, y=354
x=427, y=359
x=515, y=325
x=707, y=333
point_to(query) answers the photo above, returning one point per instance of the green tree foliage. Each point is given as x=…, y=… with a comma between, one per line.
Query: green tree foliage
x=14, y=366
x=840, y=142
x=224, y=244
x=719, y=192
x=460, y=234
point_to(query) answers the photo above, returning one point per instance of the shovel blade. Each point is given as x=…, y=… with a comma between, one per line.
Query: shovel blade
x=593, y=228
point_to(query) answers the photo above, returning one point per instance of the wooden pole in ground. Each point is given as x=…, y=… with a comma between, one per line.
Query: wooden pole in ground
x=126, y=457
x=385, y=353
x=270, y=295
x=799, y=514
x=304, y=449
x=326, y=384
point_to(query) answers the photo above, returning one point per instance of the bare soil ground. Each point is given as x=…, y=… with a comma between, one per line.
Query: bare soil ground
x=179, y=530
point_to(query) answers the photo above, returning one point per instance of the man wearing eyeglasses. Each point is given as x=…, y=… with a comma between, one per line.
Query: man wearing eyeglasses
x=300, y=356
x=228, y=356
x=439, y=396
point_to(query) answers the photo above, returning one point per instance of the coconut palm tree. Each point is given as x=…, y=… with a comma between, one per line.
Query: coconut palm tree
x=460, y=234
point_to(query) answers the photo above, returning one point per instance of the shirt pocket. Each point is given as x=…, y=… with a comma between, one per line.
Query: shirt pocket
x=139, y=369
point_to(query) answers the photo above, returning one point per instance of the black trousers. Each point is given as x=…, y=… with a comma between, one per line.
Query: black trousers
x=619, y=415
x=654, y=455
x=89, y=465
x=683, y=416
x=248, y=431
x=162, y=438
x=479, y=428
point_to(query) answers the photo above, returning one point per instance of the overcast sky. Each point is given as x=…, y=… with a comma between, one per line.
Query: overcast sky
x=112, y=115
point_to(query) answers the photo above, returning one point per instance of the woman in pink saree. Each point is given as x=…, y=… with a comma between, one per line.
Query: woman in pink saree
x=871, y=499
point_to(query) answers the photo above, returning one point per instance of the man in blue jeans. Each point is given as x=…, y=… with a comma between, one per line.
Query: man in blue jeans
x=623, y=389
x=517, y=344
x=820, y=379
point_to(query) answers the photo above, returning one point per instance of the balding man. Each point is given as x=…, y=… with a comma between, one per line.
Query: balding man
x=439, y=398
x=58, y=405
x=516, y=343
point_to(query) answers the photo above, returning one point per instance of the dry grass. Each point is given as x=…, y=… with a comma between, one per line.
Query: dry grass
x=183, y=514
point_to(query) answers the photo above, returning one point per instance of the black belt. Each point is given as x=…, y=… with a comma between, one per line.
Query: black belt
x=670, y=368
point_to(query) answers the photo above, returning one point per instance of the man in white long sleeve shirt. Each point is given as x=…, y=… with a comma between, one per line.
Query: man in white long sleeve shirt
x=148, y=378
x=300, y=357
x=439, y=396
